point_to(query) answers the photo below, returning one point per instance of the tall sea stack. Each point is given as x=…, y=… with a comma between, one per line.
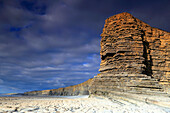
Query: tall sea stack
x=135, y=59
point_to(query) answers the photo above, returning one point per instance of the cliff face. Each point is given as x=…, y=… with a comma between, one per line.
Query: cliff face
x=80, y=89
x=135, y=58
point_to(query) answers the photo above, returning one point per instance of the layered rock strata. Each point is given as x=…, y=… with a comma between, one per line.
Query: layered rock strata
x=80, y=89
x=135, y=63
x=135, y=59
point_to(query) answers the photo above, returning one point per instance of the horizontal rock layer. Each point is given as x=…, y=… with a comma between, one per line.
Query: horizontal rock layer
x=135, y=58
x=80, y=89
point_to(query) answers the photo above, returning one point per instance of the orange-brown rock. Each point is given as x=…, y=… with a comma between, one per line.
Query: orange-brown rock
x=135, y=58
x=80, y=89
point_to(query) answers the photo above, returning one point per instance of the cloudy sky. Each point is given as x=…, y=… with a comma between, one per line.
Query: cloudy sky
x=47, y=44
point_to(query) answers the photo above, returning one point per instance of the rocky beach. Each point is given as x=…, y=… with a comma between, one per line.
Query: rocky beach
x=80, y=56
x=75, y=104
x=134, y=76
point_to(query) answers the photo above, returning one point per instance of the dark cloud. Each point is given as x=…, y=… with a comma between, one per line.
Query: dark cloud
x=46, y=44
x=154, y=13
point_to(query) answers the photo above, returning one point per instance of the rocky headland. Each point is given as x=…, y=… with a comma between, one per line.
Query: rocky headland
x=134, y=76
x=135, y=64
x=135, y=60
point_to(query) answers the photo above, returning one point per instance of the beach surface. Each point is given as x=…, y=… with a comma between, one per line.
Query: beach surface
x=74, y=104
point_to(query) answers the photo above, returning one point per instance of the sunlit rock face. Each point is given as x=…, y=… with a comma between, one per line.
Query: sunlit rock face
x=135, y=58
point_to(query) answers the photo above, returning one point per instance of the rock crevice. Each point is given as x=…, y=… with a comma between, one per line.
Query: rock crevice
x=147, y=57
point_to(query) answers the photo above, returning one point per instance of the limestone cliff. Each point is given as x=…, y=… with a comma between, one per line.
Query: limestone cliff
x=135, y=58
x=80, y=89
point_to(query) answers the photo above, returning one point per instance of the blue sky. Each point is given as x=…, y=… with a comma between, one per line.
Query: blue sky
x=47, y=44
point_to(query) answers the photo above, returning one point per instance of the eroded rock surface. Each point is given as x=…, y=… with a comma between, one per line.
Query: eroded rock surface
x=135, y=59
x=135, y=63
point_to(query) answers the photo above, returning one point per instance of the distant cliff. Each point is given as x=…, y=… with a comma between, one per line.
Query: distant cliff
x=80, y=89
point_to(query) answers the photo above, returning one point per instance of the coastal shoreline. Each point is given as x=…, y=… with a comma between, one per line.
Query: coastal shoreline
x=76, y=104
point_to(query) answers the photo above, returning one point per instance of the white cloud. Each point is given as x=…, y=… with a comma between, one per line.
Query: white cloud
x=47, y=68
x=86, y=65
